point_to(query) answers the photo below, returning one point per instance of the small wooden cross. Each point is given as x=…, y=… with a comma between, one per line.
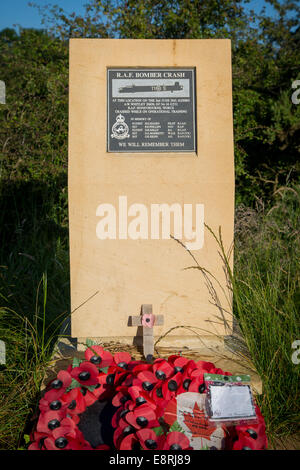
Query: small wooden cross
x=146, y=317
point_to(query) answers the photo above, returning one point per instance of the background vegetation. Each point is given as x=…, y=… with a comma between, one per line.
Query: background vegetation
x=34, y=270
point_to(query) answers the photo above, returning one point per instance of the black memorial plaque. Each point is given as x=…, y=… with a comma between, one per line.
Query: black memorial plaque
x=151, y=110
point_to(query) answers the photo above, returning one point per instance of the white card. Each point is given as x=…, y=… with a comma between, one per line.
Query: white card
x=231, y=401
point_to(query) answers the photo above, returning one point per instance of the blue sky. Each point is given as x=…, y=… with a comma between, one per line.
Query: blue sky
x=18, y=12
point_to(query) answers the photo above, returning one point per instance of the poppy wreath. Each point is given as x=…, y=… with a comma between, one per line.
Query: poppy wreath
x=139, y=393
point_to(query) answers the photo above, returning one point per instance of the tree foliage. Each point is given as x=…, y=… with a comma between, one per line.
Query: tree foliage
x=34, y=119
x=266, y=57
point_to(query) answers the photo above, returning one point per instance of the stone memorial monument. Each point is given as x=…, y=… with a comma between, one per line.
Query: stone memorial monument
x=150, y=165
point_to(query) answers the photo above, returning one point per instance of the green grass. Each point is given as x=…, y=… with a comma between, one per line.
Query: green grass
x=29, y=348
x=34, y=299
x=267, y=303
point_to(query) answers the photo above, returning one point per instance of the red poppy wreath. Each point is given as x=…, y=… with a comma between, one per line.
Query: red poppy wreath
x=113, y=402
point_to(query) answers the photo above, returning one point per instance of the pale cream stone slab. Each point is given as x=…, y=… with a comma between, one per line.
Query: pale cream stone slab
x=111, y=279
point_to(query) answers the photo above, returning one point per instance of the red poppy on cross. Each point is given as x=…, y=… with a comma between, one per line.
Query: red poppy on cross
x=147, y=320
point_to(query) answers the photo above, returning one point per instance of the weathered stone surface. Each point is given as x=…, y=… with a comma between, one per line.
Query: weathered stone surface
x=111, y=278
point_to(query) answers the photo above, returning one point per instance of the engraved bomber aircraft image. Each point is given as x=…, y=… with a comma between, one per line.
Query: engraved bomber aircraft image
x=152, y=88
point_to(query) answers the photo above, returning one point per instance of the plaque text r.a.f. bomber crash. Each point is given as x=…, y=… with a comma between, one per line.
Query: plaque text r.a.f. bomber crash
x=151, y=110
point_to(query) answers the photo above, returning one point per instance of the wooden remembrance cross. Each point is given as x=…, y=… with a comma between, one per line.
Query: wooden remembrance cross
x=147, y=320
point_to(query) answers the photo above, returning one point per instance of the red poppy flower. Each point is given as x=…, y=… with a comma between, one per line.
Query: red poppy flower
x=74, y=401
x=172, y=358
x=122, y=359
x=148, y=320
x=170, y=387
x=160, y=409
x=35, y=446
x=162, y=369
x=122, y=423
x=139, y=397
x=98, y=356
x=146, y=379
x=185, y=383
x=179, y=363
x=176, y=441
x=204, y=365
x=121, y=377
x=198, y=373
x=49, y=421
x=65, y=378
x=38, y=441
x=244, y=443
x=191, y=365
x=258, y=427
x=86, y=374
x=109, y=377
x=170, y=412
x=89, y=397
x=121, y=397
x=117, y=374
x=121, y=433
x=127, y=382
x=99, y=393
x=117, y=416
x=216, y=370
x=106, y=389
x=53, y=394
x=141, y=367
x=147, y=438
x=129, y=442
x=118, y=437
x=157, y=395
x=141, y=417
x=51, y=405
x=61, y=443
x=256, y=437
x=197, y=384
x=134, y=392
x=68, y=437
x=254, y=432
x=57, y=387
x=133, y=364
